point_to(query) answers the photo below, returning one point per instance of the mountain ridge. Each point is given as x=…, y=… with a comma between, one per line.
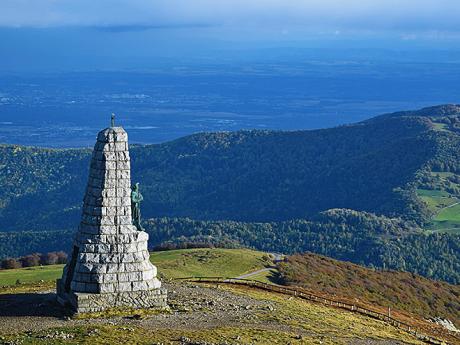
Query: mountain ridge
x=395, y=170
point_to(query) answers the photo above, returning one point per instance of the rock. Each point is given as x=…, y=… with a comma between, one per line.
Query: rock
x=447, y=324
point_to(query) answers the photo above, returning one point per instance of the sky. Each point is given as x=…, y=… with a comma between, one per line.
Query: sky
x=366, y=15
x=82, y=33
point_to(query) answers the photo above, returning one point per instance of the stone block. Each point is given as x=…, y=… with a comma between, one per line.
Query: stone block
x=124, y=220
x=84, y=267
x=102, y=248
x=110, y=156
x=122, y=156
x=110, y=165
x=129, y=276
x=121, y=146
x=122, y=165
x=110, y=183
x=124, y=286
x=112, y=258
x=139, y=285
x=107, y=220
x=148, y=275
x=128, y=258
x=123, y=183
x=153, y=284
x=109, y=193
x=107, y=287
x=88, y=248
x=109, y=147
x=107, y=229
x=123, y=174
x=110, y=278
x=124, y=192
x=88, y=257
x=113, y=268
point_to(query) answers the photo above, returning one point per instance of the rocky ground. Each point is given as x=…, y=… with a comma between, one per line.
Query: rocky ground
x=194, y=310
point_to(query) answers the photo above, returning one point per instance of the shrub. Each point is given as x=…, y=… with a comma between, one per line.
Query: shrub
x=11, y=263
x=30, y=260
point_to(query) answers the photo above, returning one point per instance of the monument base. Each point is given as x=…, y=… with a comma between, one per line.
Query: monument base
x=93, y=302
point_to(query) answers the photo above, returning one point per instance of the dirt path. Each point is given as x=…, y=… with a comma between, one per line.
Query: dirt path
x=250, y=274
x=277, y=257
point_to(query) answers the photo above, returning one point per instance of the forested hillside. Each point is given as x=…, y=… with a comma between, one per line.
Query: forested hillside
x=246, y=175
x=360, y=237
x=287, y=191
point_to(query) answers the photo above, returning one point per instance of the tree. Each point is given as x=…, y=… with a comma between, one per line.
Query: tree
x=61, y=257
x=11, y=263
x=30, y=260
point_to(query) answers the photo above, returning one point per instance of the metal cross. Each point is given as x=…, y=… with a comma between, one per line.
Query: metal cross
x=113, y=120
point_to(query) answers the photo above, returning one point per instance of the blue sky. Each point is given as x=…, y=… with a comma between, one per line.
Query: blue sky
x=82, y=33
x=317, y=15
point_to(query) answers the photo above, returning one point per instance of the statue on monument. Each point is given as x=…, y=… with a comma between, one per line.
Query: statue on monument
x=110, y=266
x=136, y=198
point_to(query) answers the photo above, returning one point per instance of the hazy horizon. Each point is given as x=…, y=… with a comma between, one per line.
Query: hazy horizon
x=178, y=67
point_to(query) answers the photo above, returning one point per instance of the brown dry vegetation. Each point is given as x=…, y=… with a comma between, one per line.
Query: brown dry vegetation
x=399, y=290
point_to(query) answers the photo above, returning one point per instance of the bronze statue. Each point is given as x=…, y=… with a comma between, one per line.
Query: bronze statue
x=136, y=198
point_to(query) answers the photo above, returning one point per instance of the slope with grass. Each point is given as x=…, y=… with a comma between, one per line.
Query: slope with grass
x=215, y=262
x=398, y=290
x=171, y=264
x=231, y=314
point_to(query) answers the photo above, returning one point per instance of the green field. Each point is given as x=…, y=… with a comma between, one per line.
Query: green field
x=30, y=274
x=449, y=214
x=207, y=262
x=443, y=204
x=171, y=264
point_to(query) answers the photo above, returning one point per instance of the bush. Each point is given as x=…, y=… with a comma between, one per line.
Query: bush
x=30, y=260
x=11, y=263
x=36, y=259
x=61, y=257
x=49, y=258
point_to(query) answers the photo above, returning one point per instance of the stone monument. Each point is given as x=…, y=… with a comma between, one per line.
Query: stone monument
x=109, y=266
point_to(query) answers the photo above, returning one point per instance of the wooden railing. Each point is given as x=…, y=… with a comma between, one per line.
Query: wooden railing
x=320, y=299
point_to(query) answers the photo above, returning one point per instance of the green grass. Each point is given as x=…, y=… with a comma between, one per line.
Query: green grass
x=432, y=193
x=215, y=262
x=171, y=264
x=267, y=277
x=449, y=214
x=438, y=200
x=438, y=126
x=30, y=274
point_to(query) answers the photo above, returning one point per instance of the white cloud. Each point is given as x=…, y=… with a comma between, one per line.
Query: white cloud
x=428, y=15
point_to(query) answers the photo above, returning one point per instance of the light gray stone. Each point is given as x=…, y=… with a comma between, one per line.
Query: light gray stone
x=112, y=265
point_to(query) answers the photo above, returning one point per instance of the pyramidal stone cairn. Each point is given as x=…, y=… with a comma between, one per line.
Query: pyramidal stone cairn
x=109, y=266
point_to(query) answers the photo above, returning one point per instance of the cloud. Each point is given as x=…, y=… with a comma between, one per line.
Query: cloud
x=412, y=15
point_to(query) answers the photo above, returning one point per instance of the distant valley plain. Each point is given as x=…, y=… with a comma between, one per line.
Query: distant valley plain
x=67, y=109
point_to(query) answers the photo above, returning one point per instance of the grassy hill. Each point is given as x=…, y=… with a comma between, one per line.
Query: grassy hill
x=399, y=290
x=214, y=262
x=295, y=321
